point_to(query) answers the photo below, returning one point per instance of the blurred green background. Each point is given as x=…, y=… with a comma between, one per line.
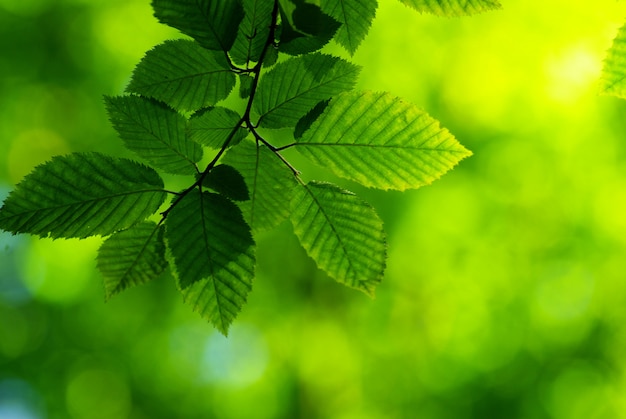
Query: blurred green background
x=505, y=294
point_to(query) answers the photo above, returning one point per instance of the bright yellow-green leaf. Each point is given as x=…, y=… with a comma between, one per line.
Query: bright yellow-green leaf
x=614, y=70
x=453, y=7
x=380, y=141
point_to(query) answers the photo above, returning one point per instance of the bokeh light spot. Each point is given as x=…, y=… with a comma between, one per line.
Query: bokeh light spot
x=58, y=271
x=239, y=360
x=98, y=394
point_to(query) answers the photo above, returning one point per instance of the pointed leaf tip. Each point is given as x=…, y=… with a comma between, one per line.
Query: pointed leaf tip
x=380, y=141
x=212, y=251
x=342, y=234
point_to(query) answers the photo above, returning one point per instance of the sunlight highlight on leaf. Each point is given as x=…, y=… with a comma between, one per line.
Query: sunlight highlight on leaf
x=380, y=141
x=453, y=7
x=614, y=71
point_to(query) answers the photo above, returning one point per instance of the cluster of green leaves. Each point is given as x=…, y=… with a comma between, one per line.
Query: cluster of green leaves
x=169, y=118
x=614, y=70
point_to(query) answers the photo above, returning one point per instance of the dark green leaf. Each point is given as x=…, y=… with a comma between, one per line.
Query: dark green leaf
x=132, y=257
x=453, y=7
x=155, y=132
x=356, y=18
x=270, y=184
x=305, y=28
x=213, y=23
x=253, y=31
x=342, y=233
x=307, y=120
x=380, y=141
x=245, y=85
x=292, y=88
x=227, y=181
x=614, y=70
x=213, y=254
x=82, y=195
x=184, y=75
x=212, y=127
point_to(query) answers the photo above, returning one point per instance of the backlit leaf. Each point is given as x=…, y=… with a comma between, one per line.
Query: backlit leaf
x=227, y=181
x=212, y=127
x=184, y=75
x=213, y=23
x=253, y=31
x=380, y=141
x=270, y=184
x=342, y=233
x=614, y=70
x=453, y=7
x=132, y=257
x=213, y=254
x=155, y=132
x=292, y=88
x=81, y=195
x=356, y=18
x=304, y=28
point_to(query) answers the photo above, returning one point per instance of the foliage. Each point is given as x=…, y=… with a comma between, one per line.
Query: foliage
x=169, y=118
x=614, y=71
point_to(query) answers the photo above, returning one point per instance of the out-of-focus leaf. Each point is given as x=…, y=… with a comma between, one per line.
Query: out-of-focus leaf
x=614, y=70
x=292, y=88
x=380, y=141
x=81, y=195
x=342, y=233
x=453, y=7
x=184, y=75
x=132, y=257
x=155, y=132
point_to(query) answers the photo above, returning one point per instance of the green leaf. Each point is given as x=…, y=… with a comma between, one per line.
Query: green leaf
x=356, y=18
x=132, y=257
x=292, y=88
x=213, y=23
x=245, y=85
x=342, y=233
x=184, y=75
x=380, y=141
x=270, y=184
x=304, y=28
x=82, y=195
x=614, y=69
x=155, y=132
x=253, y=31
x=213, y=254
x=212, y=127
x=307, y=120
x=227, y=181
x=453, y=7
